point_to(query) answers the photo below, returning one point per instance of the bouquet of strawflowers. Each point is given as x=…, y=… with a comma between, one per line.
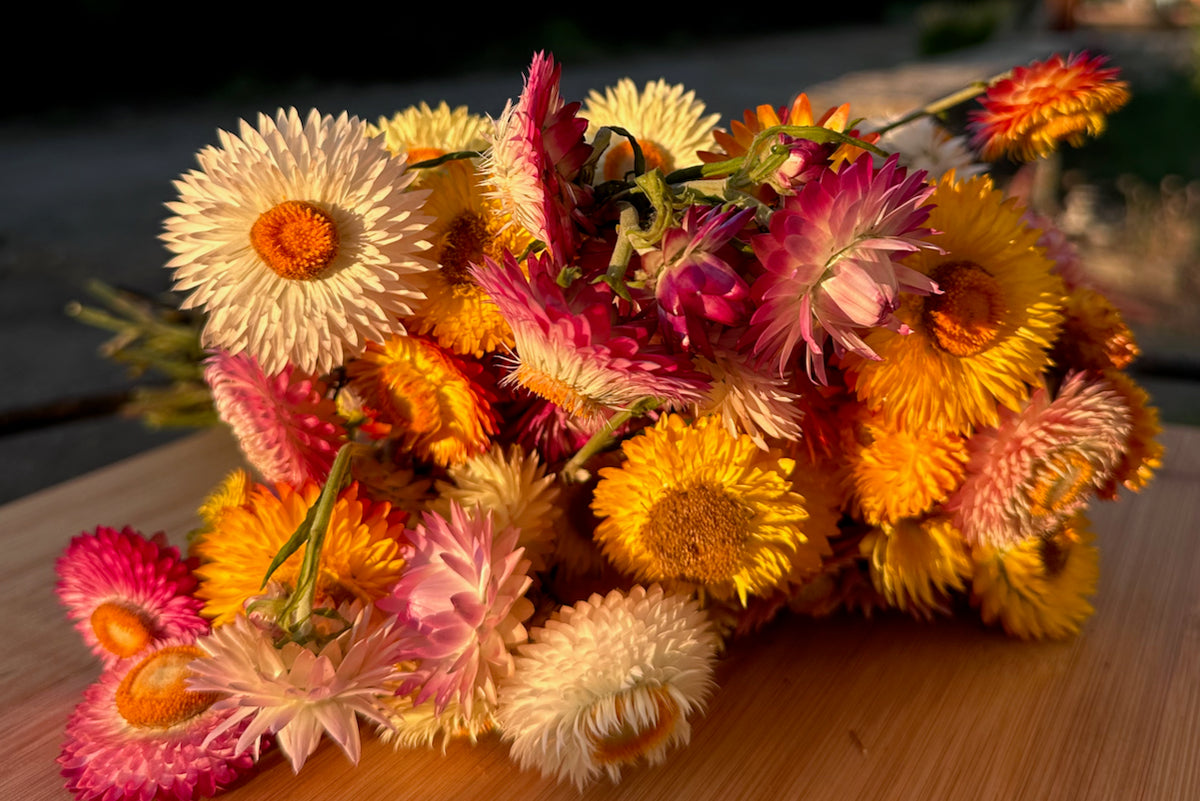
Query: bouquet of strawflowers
x=544, y=410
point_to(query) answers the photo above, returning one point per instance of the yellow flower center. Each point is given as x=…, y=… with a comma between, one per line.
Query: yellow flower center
x=631, y=738
x=697, y=534
x=966, y=318
x=618, y=159
x=154, y=693
x=463, y=244
x=296, y=239
x=120, y=630
x=1059, y=482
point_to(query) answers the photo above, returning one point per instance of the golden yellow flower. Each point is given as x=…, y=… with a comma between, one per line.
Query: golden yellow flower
x=916, y=563
x=981, y=343
x=1040, y=587
x=435, y=405
x=468, y=226
x=234, y=490
x=360, y=557
x=892, y=473
x=694, y=504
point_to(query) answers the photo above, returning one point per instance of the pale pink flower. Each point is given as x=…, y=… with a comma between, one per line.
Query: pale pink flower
x=286, y=426
x=830, y=265
x=691, y=278
x=1059, y=249
x=295, y=692
x=460, y=607
x=1043, y=464
x=125, y=592
x=537, y=147
x=168, y=751
x=572, y=349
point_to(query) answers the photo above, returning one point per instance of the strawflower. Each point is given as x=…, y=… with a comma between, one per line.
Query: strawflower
x=285, y=424
x=1026, y=116
x=668, y=122
x=295, y=692
x=692, y=279
x=830, y=266
x=298, y=239
x=142, y=734
x=693, y=504
x=360, y=556
x=460, y=607
x=607, y=683
x=572, y=349
x=125, y=592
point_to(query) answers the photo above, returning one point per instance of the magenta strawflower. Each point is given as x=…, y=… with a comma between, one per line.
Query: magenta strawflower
x=537, y=147
x=125, y=592
x=285, y=424
x=140, y=734
x=829, y=262
x=691, y=279
x=1042, y=465
x=573, y=351
x=461, y=606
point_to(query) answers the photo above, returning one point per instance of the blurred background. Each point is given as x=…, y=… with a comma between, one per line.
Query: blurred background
x=118, y=100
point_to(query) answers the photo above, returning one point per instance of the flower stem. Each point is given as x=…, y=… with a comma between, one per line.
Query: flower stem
x=968, y=92
x=573, y=470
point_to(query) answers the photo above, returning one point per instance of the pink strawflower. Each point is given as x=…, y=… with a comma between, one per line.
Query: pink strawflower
x=807, y=160
x=537, y=147
x=296, y=692
x=571, y=348
x=285, y=424
x=460, y=605
x=141, y=735
x=829, y=262
x=1060, y=250
x=125, y=592
x=1043, y=464
x=692, y=280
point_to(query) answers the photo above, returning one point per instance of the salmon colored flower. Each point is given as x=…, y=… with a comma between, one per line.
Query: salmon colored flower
x=1026, y=115
x=285, y=424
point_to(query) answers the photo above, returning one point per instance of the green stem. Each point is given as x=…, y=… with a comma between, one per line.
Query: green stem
x=603, y=438
x=298, y=612
x=968, y=92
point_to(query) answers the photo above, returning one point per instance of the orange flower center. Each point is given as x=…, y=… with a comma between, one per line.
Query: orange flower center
x=154, y=693
x=697, y=534
x=966, y=318
x=631, y=738
x=121, y=630
x=463, y=244
x=618, y=159
x=296, y=239
x=1060, y=481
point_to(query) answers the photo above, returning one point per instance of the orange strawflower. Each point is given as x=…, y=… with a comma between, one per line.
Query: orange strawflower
x=1026, y=115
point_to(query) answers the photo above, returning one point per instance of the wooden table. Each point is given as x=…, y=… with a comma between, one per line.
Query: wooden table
x=887, y=708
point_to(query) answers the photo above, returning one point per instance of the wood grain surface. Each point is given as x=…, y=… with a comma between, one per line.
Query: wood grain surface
x=845, y=708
